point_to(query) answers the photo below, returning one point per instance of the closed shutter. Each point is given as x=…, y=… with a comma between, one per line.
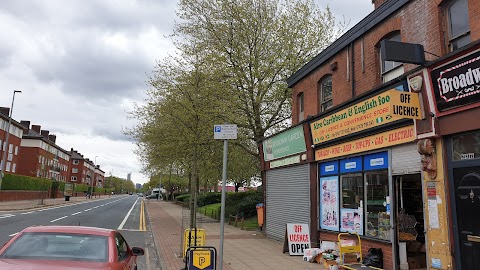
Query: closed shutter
x=287, y=199
x=406, y=159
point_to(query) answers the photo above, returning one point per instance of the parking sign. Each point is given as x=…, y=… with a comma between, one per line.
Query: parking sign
x=225, y=132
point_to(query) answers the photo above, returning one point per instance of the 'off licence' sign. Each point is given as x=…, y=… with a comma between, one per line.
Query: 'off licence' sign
x=298, y=238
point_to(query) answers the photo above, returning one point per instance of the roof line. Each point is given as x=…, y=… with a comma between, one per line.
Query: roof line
x=372, y=19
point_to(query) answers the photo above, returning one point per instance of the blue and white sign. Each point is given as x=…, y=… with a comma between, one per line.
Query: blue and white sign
x=351, y=165
x=329, y=168
x=225, y=132
x=375, y=161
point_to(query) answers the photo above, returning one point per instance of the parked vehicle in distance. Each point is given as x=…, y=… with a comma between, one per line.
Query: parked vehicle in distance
x=152, y=196
x=68, y=247
x=140, y=194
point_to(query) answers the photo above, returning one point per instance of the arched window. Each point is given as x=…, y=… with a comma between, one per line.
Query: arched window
x=301, y=107
x=458, y=25
x=325, y=94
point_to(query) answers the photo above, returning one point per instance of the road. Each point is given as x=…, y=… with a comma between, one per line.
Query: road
x=123, y=213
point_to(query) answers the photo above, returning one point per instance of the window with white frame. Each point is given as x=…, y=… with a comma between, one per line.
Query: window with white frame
x=75, y=162
x=458, y=29
x=391, y=69
x=14, y=167
x=74, y=170
x=325, y=94
x=73, y=178
x=8, y=166
x=16, y=150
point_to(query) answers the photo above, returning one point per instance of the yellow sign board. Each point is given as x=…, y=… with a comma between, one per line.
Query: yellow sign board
x=193, y=237
x=405, y=105
x=370, y=113
x=381, y=140
x=202, y=258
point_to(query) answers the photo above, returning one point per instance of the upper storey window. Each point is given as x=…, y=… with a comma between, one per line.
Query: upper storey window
x=325, y=94
x=301, y=107
x=391, y=69
x=458, y=25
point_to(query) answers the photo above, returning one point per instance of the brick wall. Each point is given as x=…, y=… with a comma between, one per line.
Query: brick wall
x=19, y=195
x=366, y=244
x=419, y=21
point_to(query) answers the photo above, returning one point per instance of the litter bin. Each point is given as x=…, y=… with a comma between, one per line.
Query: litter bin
x=260, y=212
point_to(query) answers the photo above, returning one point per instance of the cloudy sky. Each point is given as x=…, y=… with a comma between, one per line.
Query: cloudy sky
x=81, y=65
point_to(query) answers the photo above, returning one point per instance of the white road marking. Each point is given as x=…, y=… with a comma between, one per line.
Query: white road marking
x=7, y=216
x=87, y=209
x=13, y=234
x=128, y=214
x=28, y=212
x=76, y=213
x=58, y=219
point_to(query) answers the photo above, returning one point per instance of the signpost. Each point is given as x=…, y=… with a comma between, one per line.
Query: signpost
x=298, y=238
x=225, y=133
x=193, y=237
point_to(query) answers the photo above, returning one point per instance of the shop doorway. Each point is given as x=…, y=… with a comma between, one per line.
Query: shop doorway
x=410, y=222
x=467, y=200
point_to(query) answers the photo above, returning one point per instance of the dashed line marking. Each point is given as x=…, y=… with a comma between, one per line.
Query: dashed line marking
x=59, y=219
x=26, y=213
x=76, y=213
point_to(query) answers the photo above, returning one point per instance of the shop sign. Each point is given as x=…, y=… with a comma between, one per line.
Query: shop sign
x=68, y=190
x=351, y=165
x=379, y=110
x=329, y=168
x=285, y=161
x=381, y=140
x=352, y=220
x=298, y=236
x=457, y=83
x=284, y=144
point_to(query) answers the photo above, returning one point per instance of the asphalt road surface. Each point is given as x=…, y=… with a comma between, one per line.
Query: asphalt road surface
x=123, y=213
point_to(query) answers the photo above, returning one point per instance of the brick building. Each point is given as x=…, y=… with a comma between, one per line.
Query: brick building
x=40, y=156
x=14, y=140
x=359, y=154
x=83, y=170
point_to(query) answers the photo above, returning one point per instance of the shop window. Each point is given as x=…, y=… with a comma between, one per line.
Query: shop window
x=458, y=25
x=351, y=216
x=301, y=107
x=466, y=146
x=325, y=94
x=377, y=204
x=391, y=69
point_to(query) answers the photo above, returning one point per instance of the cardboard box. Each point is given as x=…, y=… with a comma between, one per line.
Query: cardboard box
x=319, y=258
x=414, y=247
x=311, y=252
x=327, y=263
x=349, y=258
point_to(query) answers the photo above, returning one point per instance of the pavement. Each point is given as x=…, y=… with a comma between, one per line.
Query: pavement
x=242, y=250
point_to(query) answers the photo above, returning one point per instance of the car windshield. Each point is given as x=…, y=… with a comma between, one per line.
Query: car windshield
x=58, y=246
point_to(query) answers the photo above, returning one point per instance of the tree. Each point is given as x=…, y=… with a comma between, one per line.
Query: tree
x=255, y=45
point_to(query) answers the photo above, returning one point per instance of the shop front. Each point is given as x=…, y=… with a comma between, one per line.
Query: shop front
x=287, y=182
x=369, y=179
x=455, y=92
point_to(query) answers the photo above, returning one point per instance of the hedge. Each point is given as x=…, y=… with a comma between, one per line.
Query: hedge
x=209, y=198
x=21, y=182
x=243, y=203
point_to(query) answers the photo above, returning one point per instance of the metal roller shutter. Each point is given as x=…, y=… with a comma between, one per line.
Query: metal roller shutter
x=406, y=159
x=287, y=199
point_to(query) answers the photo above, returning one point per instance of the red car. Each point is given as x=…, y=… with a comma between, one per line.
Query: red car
x=68, y=247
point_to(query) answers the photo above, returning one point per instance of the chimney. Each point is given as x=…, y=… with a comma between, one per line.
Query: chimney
x=52, y=138
x=26, y=126
x=45, y=133
x=37, y=128
x=378, y=3
x=25, y=123
x=5, y=110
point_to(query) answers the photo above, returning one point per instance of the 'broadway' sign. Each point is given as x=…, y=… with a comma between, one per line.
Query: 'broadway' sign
x=457, y=83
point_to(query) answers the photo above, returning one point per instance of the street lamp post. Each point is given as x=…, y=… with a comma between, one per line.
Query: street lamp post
x=93, y=181
x=7, y=131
